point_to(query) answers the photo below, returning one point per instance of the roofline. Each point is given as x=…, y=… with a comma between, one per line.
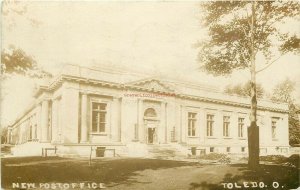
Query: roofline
x=61, y=77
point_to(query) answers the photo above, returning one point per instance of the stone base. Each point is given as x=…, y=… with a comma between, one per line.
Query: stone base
x=30, y=149
x=135, y=149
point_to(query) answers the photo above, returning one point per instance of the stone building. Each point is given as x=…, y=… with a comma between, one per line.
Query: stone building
x=83, y=109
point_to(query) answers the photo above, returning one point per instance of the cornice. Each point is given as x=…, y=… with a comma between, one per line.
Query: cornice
x=231, y=103
x=57, y=82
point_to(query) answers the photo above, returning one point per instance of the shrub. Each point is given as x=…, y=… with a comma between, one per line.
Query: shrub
x=273, y=158
x=212, y=156
x=222, y=158
x=294, y=160
x=225, y=160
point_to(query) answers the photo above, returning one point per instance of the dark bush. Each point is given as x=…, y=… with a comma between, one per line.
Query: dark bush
x=225, y=160
x=294, y=159
x=212, y=156
x=222, y=158
x=273, y=158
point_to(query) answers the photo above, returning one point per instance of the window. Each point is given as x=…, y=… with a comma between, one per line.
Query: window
x=241, y=127
x=211, y=149
x=274, y=127
x=228, y=149
x=98, y=117
x=243, y=149
x=209, y=125
x=226, y=126
x=150, y=112
x=192, y=124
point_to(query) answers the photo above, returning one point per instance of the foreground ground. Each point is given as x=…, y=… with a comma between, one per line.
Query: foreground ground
x=141, y=174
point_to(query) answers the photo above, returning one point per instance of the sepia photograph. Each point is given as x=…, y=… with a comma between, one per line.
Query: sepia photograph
x=150, y=95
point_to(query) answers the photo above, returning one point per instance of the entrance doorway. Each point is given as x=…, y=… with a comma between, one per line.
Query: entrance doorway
x=151, y=123
x=151, y=135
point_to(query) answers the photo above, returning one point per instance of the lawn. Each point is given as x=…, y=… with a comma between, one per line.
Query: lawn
x=134, y=173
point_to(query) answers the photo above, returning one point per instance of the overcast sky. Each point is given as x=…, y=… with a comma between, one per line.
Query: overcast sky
x=155, y=37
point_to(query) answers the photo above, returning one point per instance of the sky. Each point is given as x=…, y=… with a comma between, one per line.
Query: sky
x=157, y=37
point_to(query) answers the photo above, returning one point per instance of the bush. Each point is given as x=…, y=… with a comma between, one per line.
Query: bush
x=273, y=158
x=225, y=160
x=212, y=156
x=294, y=160
x=222, y=158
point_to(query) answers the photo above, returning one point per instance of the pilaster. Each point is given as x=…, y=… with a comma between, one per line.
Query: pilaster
x=84, y=126
x=140, y=121
x=44, y=120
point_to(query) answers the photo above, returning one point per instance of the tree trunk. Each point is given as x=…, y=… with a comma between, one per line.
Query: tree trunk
x=253, y=130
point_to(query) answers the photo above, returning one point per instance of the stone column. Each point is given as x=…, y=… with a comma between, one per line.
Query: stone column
x=20, y=134
x=177, y=122
x=8, y=136
x=183, y=124
x=70, y=113
x=233, y=126
x=163, y=123
x=54, y=121
x=140, y=121
x=84, y=127
x=284, y=135
x=44, y=120
x=120, y=119
x=123, y=131
x=218, y=129
x=161, y=127
x=38, y=121
x=219, y=124
x=115, y=117
x=202, y=125
x=234, y=133
x=59, y=121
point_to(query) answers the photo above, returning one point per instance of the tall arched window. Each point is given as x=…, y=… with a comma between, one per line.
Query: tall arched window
x=150, y=112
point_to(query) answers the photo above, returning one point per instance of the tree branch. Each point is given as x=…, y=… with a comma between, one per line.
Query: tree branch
x=247, y=36
x=248, y=17
x=260, y=17
x=237, y=18
x=269, y=64
x=242, y=46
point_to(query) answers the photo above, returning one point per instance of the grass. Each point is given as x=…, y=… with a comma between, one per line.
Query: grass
x=64, y=170
x=134, y=173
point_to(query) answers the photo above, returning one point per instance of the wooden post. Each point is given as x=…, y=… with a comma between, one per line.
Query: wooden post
x=90, y=161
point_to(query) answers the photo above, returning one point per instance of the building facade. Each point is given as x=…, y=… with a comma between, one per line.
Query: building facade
x=83, y=108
